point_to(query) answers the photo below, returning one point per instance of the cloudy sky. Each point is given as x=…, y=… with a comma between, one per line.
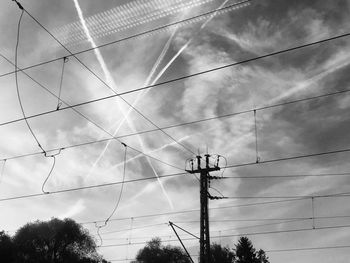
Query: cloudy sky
x=234, y=34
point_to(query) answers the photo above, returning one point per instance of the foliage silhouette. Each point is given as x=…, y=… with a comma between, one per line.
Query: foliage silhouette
x=154, y=252
x=246, y=253
x=221, y=254
x=54, y=241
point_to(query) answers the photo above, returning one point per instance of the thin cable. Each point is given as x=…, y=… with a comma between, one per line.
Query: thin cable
x=86, y=118
x=59, y=102
x=131, y=37
x=196, y=210
x=306, y=249
x=184, y=123
x=108, y=86
x=246, y=234
x=16, y=79
x=90, y=187
x=122, y=188
x=48, y=176
x=171, y=223
x=286, y=176
x=256, y=138
x=53, y=156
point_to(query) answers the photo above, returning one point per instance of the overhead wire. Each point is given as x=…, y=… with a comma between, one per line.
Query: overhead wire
x=274, y=250
x=306, y=249
x=53, y=156
x=20, y=100
x=344, y=194
x=83, y=116
x=99, y=227
x=244, y=234
x=59, y=102
x=196, y=210
x=16, y=79
x=186, y=123
x=132, y=36
x=107, y=85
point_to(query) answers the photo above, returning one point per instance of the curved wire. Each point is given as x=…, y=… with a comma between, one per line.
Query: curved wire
x=48, y=176
x=122, y=187
x=118, y=201
x=52, y=167
x=16, y=80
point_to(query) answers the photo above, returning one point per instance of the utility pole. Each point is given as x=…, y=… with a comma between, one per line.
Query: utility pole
x=204, y=180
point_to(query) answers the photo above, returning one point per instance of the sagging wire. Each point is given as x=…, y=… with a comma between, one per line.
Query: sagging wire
x=2, y=169
x=256, y=138
x=59, y=102
x=53, y=156
x=98, y=227
x=16, y=75
x=20, y=100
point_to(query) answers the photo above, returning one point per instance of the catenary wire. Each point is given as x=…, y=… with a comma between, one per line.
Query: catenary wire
x=166, y=127
x=129, y=37
x=244, y=234
x=155, y=177
x=86, y=118
x=194, y=75
x=108, y=86
x=196, y=210
x=99, y=227
x=16, y=80
x=269, y=251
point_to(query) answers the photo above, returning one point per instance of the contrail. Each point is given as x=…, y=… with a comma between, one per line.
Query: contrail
x=314, y=79
x=124, y=17
x=155, y=66
x=110, y=80
x=160, y=74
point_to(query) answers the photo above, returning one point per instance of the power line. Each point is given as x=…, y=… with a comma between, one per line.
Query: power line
x=196, y=210
x=175, y=125
x=108, y=86
x=242, y=234
x=286, y=176
x=89, y=187
x=273, y=250
x=86, y=118
x=284, y=221
x=306, y=249
x=130, y=37
x=164, y=176
x=152, y=130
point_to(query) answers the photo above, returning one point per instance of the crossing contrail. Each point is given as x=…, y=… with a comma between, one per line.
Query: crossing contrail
x=111, y=82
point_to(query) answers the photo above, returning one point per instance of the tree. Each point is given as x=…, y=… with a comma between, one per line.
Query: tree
x=221, y=254
x=154, y=252
x=54, y=241
x=262, y=258
x=246, y=253
x=6, y=248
